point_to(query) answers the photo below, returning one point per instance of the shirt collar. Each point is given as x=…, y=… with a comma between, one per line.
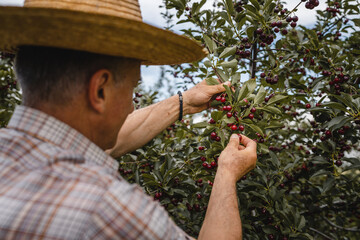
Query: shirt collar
x=47, y=128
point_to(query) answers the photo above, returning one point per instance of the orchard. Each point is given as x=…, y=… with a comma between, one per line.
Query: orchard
x=294, y=89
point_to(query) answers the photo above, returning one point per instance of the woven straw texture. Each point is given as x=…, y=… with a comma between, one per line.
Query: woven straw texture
x=108, y=27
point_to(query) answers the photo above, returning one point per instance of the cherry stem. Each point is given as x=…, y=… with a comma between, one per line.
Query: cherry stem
x=325, y=31
x=293, y=9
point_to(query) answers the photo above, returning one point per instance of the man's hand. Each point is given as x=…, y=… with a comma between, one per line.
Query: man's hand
x=236, y=160
x=222, y=219
x=198, y=97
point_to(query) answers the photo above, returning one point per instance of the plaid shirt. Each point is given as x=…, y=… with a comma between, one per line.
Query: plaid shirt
x=56, y=184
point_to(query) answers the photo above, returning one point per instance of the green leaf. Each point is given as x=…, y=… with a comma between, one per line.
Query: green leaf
x=210, y=43
x=271, y=109
x=260, y=95
x=244, y=91
x=340, y=120
x=201, y=125
x=230, y=6
x=256, y=4
x=302, y=223
x=276, y=98
x=232, y=64
x=229, y=51
x=212, y=81
x=256, y=129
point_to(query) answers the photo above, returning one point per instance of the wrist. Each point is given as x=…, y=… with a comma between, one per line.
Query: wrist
x=186, y=106
x=223, y=175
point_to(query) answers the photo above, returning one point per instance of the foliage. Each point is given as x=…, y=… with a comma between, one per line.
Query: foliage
x=295, y=90
x=9, y=89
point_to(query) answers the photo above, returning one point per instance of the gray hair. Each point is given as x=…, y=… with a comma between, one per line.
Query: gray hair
x=55, y=75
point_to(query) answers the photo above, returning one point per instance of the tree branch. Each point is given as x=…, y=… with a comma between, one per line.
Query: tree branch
x=343, y=228
x=320, y=233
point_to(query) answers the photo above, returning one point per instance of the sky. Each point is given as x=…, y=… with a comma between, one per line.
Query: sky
x=152, y=15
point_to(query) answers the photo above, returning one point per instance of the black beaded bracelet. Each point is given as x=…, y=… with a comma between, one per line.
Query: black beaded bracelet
x=181, y=105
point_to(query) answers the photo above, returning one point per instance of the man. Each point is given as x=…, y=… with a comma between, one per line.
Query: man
x=56, y=181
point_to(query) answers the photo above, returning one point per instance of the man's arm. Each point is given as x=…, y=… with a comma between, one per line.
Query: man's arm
x=144, y=124
x=222, y=219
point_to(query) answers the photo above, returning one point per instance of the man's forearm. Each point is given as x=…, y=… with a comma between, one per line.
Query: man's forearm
x=222, y=220
x=144, y=124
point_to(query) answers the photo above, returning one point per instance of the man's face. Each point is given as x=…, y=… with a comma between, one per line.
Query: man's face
x=121, y=102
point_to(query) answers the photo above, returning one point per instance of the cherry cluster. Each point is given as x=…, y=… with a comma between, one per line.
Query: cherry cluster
x=269, y=79
x=311, y=4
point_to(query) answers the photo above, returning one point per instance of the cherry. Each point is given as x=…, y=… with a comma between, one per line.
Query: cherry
x=213, y=135
x=234, y=127
x=229, y=114
x=223, y=99
x=198, y=196
x=201, y=148
x=328, y=133
x=276, y=30
x=259, y=31
x=218, y=98
x=199, y=180
x=213, y=164
x=289, y=19
x=253, y=110
x=217, y=139
x=308, y=105
x=262, y=75
x=241, y=128
x=293, y=24
x=251, y=116
x=212, y=121
x=203, y=159
x=338, y=163
x=284, y=32
x=295, y=18
x=204, y=164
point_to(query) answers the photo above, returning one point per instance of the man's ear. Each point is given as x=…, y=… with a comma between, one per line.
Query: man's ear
x=97, y=91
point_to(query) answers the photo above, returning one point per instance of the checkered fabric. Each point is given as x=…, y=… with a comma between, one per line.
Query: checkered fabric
x=56, y=184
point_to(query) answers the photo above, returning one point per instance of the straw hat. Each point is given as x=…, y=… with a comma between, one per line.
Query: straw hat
x=110, y=27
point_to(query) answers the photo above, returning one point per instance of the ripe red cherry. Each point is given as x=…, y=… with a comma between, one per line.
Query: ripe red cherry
x=218, y=98
x=295, y=18
x=213, y=164
x=204, y=164
x=203, y=159
x=253, y=110
x=251, y=116
x=201, y=148
x=229, y=114
x=262, y=75
x=213, y=135
x=217, y=139
x=198, y=196
x=308, y=105
x=293, y=24
x=212, y=121
x=234, y=127
x=284, y=32
x=328, y=133
x=241, y=128
x=223, y=99
x=338, y=163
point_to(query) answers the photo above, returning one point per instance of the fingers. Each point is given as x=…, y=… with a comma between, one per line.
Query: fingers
x=218, y=88
x=234, y=141
x=248, y=143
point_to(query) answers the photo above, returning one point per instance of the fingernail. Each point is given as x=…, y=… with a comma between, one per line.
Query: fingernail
x=234, y=136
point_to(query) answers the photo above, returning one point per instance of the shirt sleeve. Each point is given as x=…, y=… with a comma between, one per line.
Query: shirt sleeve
x=126, y=212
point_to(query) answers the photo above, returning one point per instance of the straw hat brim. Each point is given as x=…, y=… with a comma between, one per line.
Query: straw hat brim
x=95, y=33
